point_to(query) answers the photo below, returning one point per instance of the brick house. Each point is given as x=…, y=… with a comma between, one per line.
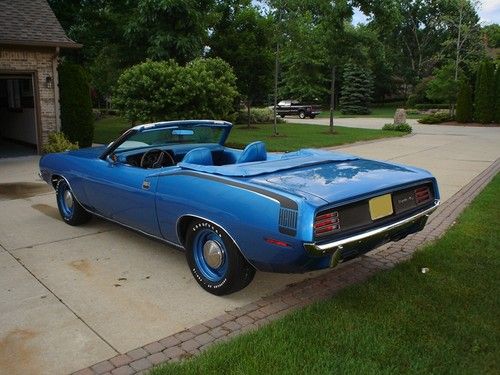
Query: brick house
x=30, y=41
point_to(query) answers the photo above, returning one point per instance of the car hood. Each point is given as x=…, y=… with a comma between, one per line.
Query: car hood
x=342, y=181
x=89, y=152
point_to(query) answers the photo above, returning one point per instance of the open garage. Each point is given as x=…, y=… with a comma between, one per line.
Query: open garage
x=30, y=44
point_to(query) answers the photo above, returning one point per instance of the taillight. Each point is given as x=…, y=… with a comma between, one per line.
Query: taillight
x=422, y=194
x=326, y=223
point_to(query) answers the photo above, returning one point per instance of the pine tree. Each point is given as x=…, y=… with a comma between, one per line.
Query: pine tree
x=357, y=90
x=484, y=99
x=464, y=102
x=496, y=117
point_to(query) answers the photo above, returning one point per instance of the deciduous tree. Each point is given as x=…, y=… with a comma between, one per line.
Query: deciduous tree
x=243, y=38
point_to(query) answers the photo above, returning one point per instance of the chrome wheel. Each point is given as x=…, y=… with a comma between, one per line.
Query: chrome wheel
x=68, y=199
x=213, y=254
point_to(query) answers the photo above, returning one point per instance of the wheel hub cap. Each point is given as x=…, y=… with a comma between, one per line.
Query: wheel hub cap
x=68, y=199
x=213, y=254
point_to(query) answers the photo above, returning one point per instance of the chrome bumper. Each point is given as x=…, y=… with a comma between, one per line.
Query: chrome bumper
x=386, y=231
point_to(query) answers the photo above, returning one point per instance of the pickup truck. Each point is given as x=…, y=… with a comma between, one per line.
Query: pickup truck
x=292, y=107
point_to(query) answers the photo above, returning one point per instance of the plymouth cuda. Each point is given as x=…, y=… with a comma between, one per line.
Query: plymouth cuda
x=236, y=211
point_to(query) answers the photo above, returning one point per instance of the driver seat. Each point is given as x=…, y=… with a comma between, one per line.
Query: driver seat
x=200, y=156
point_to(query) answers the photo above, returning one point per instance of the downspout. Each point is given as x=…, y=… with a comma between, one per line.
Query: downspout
x=55, y=75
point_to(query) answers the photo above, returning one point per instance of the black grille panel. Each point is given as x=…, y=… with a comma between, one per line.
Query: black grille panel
x=356, y=216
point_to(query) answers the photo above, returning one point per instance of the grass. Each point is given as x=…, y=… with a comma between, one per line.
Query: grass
x=109, y=128
x=385, y=111
x=291, y=136
x=399, y=322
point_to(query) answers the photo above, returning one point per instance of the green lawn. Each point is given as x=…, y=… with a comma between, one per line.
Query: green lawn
x=109, y=128
x=291, y=136
x=386, y=111
x=399, y=322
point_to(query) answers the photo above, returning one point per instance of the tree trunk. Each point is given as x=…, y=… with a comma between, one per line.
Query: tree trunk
x=332, y=99
x=276, y=69
x=249, y=103
x=459, y=37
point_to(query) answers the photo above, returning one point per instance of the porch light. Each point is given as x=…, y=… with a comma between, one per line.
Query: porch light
x=48, y=82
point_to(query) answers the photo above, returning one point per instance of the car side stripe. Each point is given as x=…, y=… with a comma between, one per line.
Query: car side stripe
x=284, y=201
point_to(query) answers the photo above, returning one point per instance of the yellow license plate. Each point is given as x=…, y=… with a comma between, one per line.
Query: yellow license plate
x=380, y=206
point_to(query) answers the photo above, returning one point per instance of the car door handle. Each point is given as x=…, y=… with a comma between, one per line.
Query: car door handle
x=146, y=185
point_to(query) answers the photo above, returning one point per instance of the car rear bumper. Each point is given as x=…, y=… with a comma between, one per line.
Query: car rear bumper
x=369, y=238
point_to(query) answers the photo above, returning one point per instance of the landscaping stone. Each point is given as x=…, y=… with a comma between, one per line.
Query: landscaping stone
x=400, y=116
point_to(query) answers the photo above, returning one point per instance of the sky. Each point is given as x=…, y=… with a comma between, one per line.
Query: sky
x=489, y=13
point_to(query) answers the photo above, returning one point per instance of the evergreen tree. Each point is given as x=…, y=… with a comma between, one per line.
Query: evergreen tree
x=357, y=90
x=77, y=121
x=484, y=99
x=464, y=102
x=496, y=117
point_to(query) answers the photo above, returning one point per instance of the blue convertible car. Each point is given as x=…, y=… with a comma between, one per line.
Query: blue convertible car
x=235, y=211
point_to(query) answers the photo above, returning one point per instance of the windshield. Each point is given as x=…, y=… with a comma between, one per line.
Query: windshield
x=173, y=135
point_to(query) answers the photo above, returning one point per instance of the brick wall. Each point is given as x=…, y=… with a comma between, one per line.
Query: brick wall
x=42, y=62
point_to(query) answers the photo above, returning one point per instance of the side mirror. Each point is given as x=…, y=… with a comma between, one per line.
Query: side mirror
x=112, y=158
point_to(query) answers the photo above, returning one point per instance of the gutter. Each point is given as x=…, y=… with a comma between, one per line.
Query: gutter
x=55, y=75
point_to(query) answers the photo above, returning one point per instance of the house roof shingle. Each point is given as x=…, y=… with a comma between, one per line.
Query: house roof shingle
x=32, y=23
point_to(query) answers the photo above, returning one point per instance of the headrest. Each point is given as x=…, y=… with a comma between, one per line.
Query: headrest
x=255, y=151
x=200, y=155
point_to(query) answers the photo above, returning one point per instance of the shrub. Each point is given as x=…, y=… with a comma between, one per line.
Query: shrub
x=426, y=106
x=77, y=120
x=436, y=118
x=257, y=116
x=58, y=143
x=464, y=102
x=484, y=95
x=154, y=91
x=405, y=128
x=357, y=90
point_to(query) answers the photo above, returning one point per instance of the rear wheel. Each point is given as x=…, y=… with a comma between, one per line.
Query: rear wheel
x=71, y=211
x=214, y=259
x=312, y=116
x=302, y=115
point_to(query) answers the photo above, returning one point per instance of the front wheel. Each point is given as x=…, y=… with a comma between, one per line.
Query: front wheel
x=214, y=259
x=302, y=115
x=71, y=211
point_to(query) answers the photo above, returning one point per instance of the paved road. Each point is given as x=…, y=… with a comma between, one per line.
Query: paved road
x=71, y=297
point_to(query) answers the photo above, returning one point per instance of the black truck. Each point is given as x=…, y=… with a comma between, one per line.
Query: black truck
x=293, y=107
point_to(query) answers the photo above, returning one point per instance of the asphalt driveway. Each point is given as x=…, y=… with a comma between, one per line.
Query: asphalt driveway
x=71, y=297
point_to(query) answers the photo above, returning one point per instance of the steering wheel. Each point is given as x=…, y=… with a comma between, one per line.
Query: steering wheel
x=156, y=158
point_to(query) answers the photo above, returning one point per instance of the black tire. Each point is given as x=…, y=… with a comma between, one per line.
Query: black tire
x=71, y=211
x=312, y=116
x=232, y=274
x=282, y=116
x=302, y=114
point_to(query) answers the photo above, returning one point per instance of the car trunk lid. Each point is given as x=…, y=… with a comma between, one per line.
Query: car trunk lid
x=341, y=181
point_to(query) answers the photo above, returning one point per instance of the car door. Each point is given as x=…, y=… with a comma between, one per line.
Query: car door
x=124, y=193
